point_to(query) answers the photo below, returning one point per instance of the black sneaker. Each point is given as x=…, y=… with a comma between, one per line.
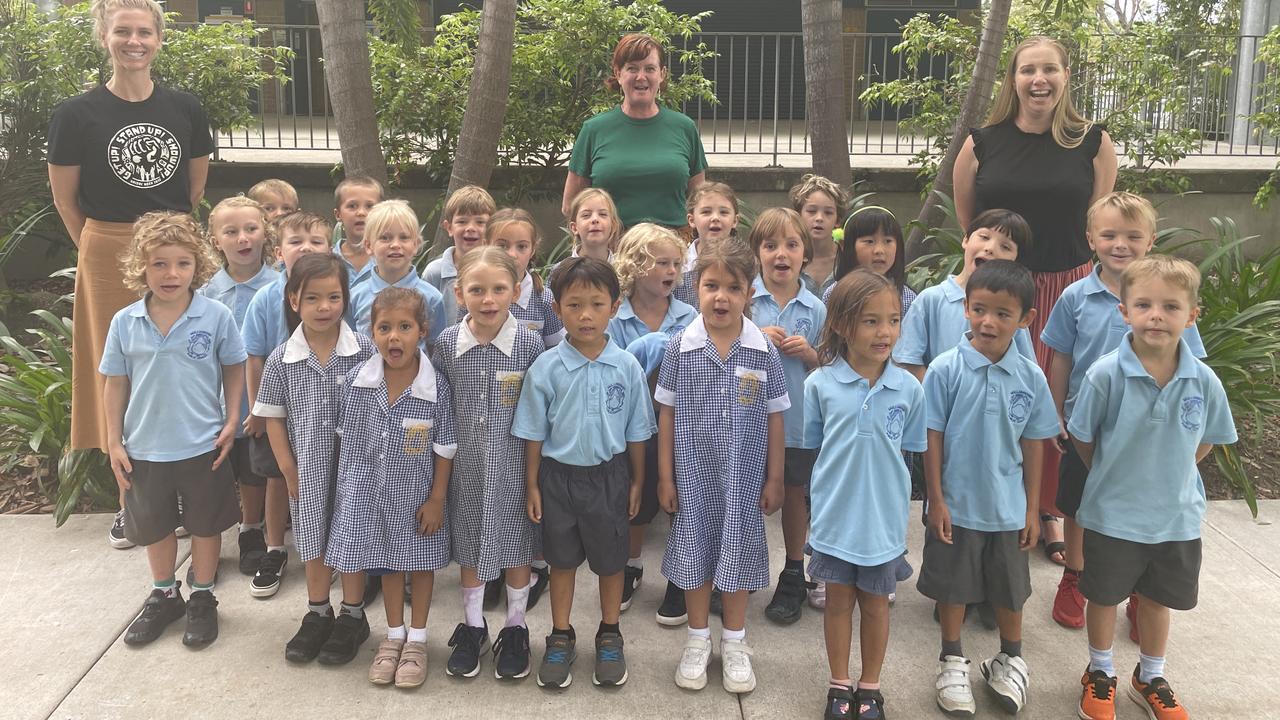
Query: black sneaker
x=557, y=662
x=468, y=644
x=493, y=590
x=116, y=534
x=868, y=704
x=305, y=645
x=611, y=662
x=157, y=612
x=631, y=581
x=541, y=580
x=253, y=547
x=671, y=612
x=372, y=588
x=511, y=653
x=345, y=639
x=788, y=598
x=202, y=619
x=839, y=704
x=266, y=582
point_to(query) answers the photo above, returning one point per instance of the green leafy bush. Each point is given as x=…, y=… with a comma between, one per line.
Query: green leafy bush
x=1267, y=119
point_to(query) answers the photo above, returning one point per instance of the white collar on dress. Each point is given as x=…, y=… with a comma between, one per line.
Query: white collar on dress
x=505, y=340
x=423, y=387
x=695, y=336
x=296, y=348
x=526, y=290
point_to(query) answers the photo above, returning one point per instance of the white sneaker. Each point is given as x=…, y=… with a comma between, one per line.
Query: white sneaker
x=1007, y=678
x=181, y=531
x=893, y=598
x=116, y=534
x=735, y=662
x=818, y=595
x=954, y=694
x=691, y=673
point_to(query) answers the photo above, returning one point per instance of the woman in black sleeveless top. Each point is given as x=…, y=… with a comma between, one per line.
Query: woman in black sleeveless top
x=1040, y=158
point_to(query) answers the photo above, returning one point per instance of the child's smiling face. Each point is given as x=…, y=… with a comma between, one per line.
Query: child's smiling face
x=466, y=231
x=393, y=250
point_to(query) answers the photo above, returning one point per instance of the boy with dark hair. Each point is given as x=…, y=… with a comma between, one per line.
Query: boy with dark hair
x=989, y=410
x=584, y=402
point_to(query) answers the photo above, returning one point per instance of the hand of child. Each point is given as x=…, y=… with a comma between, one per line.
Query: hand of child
x=291, y=481
x=533, y=504
x=771, y=497
x=431, y=516
x=775, y=334
x=1029, y=535
x=1062, y=440
x=255, y=426
x=794, y=345
x=120, y=466
x=633, y=502
x=667, y=496
x=226, y=440
x=940, y=521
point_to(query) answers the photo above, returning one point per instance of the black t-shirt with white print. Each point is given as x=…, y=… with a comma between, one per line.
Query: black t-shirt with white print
x=133, y=156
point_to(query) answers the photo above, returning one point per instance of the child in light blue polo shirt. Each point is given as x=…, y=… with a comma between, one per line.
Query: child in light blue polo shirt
x=173, y=361
x=392, y=239
x=861, y=412
x=1145, y=415
x=989, y=409
x=583, y=403
x=1086, y=324
x=937, y=321
x=792, y=318
x=648, y=265
x=465, y=215
x=353, y=200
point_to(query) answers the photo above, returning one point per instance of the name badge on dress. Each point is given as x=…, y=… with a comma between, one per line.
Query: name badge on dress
x=417, y=435
x=750, y=384
x=534, y=326
x=509, y=384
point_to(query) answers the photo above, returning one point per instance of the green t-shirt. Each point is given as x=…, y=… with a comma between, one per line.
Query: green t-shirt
x=644, y=164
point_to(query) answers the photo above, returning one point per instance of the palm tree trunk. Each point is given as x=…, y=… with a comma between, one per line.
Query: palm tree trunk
x=976, y=99
x=486, y=108
x=347, y=74
x=821, y=21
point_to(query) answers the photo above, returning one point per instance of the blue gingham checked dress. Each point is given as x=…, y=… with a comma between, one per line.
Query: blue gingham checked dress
x=386, y=466
x=533, y=310
x=490, y=526
x=294, y=386
x=722, y=412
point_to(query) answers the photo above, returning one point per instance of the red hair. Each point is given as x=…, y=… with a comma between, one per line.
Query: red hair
x=635, y=47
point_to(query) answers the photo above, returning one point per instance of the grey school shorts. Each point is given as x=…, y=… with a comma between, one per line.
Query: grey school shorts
x=262, y=461
x=875, y=579
x=797, y=467
x=977, y=566
x=649, y=490
x=1071, y=476
x=209, y=503
x=241, y=459
x=1168, y=572
x=584, y=514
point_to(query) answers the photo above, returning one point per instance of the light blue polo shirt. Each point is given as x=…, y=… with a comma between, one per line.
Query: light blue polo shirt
x=264, y=328
x=625, y=327
x=861, y=489
x=442, y=274
x=1086, y=324
x=1143, y=484
x=237, y=296
x=175, y=407
x=362, y=296
x=584, y=411
x=649, y=349
x=354, y=277
x=983, y=410
x=936, y=322
x=804, y=315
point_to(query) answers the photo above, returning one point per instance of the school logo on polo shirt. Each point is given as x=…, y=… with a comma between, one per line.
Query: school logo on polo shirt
x=803, y=326
x=1192, y=410
x=144, y=155
x=1019, y=406
x=199, y=343
x=509, y=383
x=894, y=421
x=750, y=383
x=615, y=396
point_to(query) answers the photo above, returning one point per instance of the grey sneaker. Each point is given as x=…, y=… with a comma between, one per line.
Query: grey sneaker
x=557, y=661
x=611, y=664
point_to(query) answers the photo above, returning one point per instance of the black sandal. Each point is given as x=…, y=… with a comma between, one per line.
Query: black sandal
x=1053, y=548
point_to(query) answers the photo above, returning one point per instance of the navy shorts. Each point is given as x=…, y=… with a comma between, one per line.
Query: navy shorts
x=977, y=566
x=584, y=514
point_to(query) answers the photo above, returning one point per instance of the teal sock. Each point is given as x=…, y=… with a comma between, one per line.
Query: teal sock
x=197, y=587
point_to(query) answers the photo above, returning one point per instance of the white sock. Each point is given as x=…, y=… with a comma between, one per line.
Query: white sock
x=704, y=633
x=1149, y=667
x=275, y=548
x=395, y=633
x=635, y=563
x=250, y=526
x=418, y=635
x=539, y=564
x=517, y=601
x=1103, y=660
x=736, y=635
x=473, y=605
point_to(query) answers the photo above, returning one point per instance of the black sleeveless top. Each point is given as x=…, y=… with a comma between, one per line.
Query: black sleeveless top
x=1045, y=183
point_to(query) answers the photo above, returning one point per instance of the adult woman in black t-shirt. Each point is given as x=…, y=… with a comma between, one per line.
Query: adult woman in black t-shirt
x=116, y=152
x=1036, y=155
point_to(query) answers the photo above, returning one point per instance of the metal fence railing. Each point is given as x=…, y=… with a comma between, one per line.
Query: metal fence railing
x=759, y=85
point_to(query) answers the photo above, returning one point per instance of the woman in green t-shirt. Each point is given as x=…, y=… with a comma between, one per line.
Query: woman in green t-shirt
x=646, y=156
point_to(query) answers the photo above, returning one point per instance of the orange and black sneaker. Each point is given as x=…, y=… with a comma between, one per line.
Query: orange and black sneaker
x=1156, y=697
x=1098, y=699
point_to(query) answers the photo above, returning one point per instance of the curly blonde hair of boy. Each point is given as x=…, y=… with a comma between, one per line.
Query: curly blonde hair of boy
x=161, y=229
x=810, y=184
x=102, y=10
x=637, y=251
x=268, y=227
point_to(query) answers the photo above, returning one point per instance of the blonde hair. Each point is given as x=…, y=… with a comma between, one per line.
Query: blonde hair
x=810, y=184
x=491, y=255
x=268, y=229
x=389, y=213
x=636, y=251
x=773, y=222
x=1131, y=207
x=159, y=229
x=848, y=297
x=363, y=181
x=301, y=220
x=274, y=186
x=1069, y=126
x=469, y=200
x=711, y=188
x=615, y=222
x=1180, y=273
x=101, y=11
x=511, y=216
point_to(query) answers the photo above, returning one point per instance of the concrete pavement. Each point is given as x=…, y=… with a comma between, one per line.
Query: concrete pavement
x=66, y=598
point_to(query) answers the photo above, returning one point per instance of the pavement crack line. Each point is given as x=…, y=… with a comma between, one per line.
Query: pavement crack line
x=1243, y=549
